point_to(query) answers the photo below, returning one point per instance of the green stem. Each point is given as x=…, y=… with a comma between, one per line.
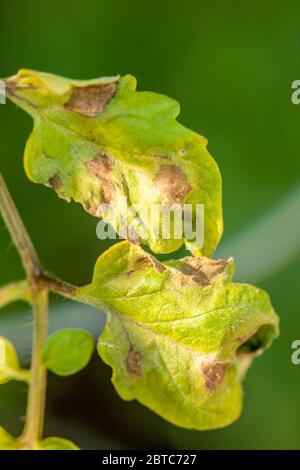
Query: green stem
x=36, y=291
x=38, y=297
x=33, y=430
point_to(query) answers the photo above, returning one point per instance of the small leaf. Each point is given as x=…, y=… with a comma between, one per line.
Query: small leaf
x=68, y=351
x=177, y=339
x=7, y=442
x=9, y=363
x=56, y=443
x=14, y=292
x=102, y=142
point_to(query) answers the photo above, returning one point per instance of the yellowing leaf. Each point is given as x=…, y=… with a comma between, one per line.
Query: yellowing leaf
x=9, y=363
x=177, y=339
x=102, y=142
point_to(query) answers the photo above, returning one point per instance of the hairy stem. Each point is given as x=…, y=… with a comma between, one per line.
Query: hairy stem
x=37, y=295
x=37, y=391
x=35, y=291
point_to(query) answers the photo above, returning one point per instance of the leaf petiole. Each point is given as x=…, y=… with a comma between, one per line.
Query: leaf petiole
x=14, y=292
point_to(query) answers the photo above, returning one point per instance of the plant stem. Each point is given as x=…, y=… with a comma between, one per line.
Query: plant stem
x=69, y=291
x=37, y=295
x=36, y=291
x=37, y=391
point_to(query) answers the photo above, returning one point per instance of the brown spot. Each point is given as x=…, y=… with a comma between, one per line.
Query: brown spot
x=134, y=362
x=55, y=182
x=133, y=237
x=157, y=265
x=91, y=100
x=143, y=261
x=101, y=168
x=92, y=209
x=203, y=270
x=172, y=185
x=214, y=374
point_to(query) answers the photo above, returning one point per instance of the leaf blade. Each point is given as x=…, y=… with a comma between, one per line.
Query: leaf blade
x=67, y=351
x=172, y=338
x=9, y=363
x=118, y=144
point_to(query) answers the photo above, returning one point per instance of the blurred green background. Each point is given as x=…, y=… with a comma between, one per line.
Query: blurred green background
x=230, y=65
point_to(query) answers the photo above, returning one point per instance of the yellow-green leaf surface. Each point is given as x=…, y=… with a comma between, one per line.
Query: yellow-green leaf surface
x=9, y=363
x=7, y=442
x=56, y=443
x=102, y=142
x=179, y=338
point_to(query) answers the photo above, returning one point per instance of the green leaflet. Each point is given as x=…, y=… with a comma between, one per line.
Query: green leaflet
x=68, y=351
x=56, y=443
x=9, y=363
x=100, y=141
x=179, y=340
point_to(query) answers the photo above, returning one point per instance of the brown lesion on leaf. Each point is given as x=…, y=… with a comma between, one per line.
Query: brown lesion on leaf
x=146, y=260
x=91, y=100
x=214, y=374
x=100, y=167
x=157, y=265
x=133, y=361
x=91, y=209
x=55, y=182
x=172, y=185
x=203, y=270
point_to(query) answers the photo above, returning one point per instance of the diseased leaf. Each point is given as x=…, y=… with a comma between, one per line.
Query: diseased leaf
x=102, y=142
x=177, y=339
x=68, y=351
x=56, y=443
x=9, y=363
